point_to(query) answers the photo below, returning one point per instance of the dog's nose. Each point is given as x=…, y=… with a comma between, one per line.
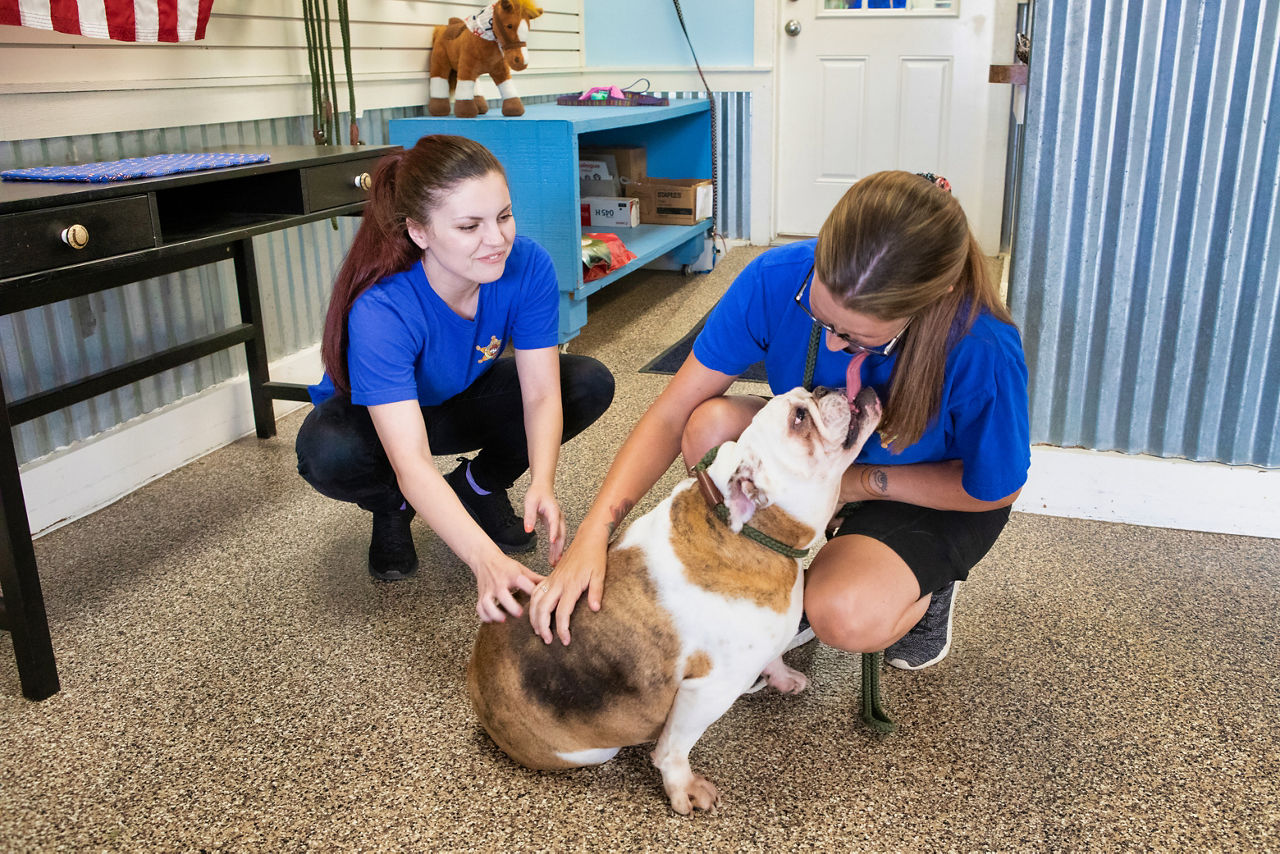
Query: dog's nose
x=820, y=392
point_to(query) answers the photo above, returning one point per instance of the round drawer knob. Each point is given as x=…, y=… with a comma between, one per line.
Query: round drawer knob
x=363, y=181
x=75, y=236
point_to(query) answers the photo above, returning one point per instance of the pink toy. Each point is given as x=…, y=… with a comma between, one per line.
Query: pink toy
x=614, y=92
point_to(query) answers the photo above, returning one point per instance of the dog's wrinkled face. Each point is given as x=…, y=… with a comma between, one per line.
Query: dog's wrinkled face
x=821, y=426
x=795, y=450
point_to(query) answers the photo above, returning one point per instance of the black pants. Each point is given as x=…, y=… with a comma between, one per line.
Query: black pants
x=340, y=455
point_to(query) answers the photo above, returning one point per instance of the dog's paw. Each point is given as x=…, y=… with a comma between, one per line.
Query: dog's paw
x=785, y=679
x=699, y=793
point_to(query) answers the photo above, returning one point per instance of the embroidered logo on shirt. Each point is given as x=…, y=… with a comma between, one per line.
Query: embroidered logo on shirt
x=490, y=352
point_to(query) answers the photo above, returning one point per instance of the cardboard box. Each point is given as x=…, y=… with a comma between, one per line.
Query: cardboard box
x=598, y=177
x=611, y=211
x=628, y=160
x=672, y=201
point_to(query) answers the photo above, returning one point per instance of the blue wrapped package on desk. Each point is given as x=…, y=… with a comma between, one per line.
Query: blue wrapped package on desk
x=152, y=166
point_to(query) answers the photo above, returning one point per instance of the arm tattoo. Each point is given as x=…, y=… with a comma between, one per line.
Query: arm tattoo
x=875, y=481
x=620, y=512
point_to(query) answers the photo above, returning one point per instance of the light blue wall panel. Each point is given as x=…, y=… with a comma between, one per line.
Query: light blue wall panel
x=644, y=34
x=1146, y=275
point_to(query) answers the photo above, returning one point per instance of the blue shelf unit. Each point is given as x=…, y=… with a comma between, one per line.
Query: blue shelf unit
x=539, y=150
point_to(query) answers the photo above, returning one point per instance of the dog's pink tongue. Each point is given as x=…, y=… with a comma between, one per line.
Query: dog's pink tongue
x=853, y=377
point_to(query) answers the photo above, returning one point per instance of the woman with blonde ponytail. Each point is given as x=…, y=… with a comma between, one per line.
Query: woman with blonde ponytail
x=894, y=294
x=435, y=286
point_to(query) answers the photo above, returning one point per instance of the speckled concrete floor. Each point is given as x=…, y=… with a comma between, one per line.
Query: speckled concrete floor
x=233, y=681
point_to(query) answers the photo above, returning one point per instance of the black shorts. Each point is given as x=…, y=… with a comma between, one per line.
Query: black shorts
x=940, y=546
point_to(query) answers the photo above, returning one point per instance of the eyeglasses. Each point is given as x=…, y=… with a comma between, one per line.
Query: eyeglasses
x=851, y=345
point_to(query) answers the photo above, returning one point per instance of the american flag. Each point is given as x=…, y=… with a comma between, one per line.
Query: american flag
x=120, y=20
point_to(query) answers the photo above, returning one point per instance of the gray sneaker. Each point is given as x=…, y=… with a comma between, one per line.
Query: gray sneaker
x=929, y=640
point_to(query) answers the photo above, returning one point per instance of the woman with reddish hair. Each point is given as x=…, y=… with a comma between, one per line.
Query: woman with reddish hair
x=435, y=286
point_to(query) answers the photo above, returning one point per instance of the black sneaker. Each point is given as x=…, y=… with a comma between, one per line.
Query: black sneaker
x=492, y=512
x=929, y=640
x=392, y=556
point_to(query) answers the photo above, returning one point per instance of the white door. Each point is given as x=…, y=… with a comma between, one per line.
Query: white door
x=862, y=89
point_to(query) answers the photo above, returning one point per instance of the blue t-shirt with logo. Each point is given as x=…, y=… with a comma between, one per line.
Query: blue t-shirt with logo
x=982, y=420
x=405, y=343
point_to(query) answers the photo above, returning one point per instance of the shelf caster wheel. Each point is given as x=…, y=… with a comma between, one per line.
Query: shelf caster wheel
x=686, y=270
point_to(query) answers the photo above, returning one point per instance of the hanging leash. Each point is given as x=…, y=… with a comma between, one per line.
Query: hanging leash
x=344, y=24
x=311, y=27
x=317, y=22
x=873, y=712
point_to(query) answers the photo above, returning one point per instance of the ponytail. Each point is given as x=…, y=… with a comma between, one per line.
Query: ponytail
x=381, y=247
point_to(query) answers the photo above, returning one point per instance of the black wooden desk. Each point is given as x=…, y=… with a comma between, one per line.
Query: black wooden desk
x=64, y=240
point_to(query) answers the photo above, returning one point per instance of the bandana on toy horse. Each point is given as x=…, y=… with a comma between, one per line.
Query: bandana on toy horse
x=492, y=42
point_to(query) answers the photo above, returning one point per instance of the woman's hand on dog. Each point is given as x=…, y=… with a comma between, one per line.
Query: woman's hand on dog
x=496, y=576
x=580, y=569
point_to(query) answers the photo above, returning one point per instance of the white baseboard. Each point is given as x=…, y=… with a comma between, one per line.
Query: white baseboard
x=74, y=481
x=1144, y=490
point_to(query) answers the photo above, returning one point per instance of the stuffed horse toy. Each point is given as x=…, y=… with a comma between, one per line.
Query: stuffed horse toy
x=489, y=42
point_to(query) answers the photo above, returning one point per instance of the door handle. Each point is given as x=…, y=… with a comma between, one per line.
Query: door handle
x=791, y=28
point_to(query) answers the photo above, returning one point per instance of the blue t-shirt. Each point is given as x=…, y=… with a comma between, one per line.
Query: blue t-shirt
x=983, y=415
x=405, y=343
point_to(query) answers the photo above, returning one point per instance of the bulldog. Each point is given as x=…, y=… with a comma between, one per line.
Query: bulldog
x=702, y=594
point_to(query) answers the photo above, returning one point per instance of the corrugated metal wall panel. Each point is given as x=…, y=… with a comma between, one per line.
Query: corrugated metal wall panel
x=1146, y=275
x=733, y=140
x=44, y=347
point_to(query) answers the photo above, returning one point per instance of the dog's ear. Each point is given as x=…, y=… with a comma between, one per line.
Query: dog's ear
x=744, y=496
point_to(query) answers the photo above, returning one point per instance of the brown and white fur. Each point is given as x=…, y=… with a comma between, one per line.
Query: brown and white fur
x=693, y=610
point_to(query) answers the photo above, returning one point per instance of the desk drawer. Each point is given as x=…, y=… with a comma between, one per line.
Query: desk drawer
x=35, y=241
x=338, y=184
